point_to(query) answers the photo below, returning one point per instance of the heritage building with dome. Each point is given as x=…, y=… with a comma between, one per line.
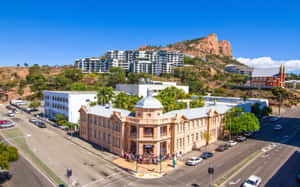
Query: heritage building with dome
x=178, y=131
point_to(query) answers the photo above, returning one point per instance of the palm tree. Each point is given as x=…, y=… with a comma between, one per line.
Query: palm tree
x=104, y=94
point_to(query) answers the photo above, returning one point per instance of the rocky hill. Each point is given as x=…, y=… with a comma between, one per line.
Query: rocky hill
x=199, y=47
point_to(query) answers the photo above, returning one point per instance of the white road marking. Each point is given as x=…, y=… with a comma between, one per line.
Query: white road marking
x=234, y=182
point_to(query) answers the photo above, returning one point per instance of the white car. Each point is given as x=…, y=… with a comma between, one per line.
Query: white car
x=194, y=161
x=277, y=127
x=252, y=181
x=232, y=143
x=10, y=114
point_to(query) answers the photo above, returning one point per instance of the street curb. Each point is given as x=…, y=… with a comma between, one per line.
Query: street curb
x=258, y=153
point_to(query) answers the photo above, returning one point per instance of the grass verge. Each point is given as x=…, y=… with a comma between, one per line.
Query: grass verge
x=237, y=168
x=17, y=137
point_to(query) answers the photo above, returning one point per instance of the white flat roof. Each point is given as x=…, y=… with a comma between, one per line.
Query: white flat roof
x=73, y=92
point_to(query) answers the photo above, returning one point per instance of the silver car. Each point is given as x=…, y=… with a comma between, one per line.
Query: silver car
x=194, y=161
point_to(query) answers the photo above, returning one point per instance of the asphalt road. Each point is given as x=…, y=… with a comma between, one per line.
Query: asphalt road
x=280, y=166
x=25, y=175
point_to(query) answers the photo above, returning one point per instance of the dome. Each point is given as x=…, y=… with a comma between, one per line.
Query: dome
x=149, y=102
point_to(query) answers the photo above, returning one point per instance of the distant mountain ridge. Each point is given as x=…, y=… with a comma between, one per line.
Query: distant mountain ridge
x=200, y=47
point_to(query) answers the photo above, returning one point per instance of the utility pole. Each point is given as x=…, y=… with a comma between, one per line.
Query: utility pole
x=137, y=147
x=230, y=127
x=160, y=157
x=279, y=104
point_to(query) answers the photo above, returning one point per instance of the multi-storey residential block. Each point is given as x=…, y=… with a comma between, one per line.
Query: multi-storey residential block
x=67, y=103
x=244, y=70
x=268, y=77
x=149, y=131
x=90, y=65
x=152, y=62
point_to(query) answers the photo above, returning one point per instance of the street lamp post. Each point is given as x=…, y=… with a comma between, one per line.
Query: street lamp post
x=210, y=172
x=137, y=147
x=69, y=174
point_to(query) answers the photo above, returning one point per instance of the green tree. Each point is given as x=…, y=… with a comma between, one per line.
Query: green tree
x=8, y=154
x=125, y=101
x=35, y=104
x=117, y=75
x=104, y=94
x=241, y=121
x=79, y=87
x=73, y=74
x=60, y=82
x=280, y=91
x=197, y=87
x=198, y=102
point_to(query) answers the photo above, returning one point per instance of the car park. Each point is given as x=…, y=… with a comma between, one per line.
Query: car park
x=206, y=155
x=194, y=161
x=241, y=138
x=252, y=181
x=277, y=127
x=232, y=143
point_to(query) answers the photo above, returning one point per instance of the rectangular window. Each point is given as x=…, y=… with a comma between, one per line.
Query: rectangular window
x=104, y=123
x=99, y=135
x=114, y=142
x=148, y=132
x=104, y=137
x=188, y=139
x=108, y=139
x=95, y=133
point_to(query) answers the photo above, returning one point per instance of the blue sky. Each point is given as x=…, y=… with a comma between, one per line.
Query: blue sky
x=58, y=32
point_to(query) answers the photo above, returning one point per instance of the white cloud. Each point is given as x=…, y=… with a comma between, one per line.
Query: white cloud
x=267, y=62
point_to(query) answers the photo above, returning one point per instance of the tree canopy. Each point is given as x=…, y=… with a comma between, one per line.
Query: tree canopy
x=104, y=94
x=7, y=154
x=125, y=101
x=241, y=121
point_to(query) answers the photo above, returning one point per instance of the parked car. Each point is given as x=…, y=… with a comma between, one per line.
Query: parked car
x=9, y=107
x=241, y=138
x=232, y=143
x=220, y=148
x=193, y=161
x=252, y=181
x=276, y=118
x=248, y=134
x=32, y=120
x=15, y=111
x=40, y=124
x=10, y=114
x=277, y=127
x=298, y=177
x=265, y=117
x=6, y=124
x=206, y=155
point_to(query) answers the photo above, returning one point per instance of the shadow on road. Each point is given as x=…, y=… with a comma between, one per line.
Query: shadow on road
x=287, y=174
x=289, y=134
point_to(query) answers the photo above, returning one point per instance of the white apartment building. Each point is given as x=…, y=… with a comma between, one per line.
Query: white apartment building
x=67, y=103
x=152, y=62
x=93, y=65
x=141, y=88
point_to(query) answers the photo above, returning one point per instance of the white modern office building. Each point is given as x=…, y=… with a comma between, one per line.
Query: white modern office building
x=67, y=103
x=141, y=88
x=152, y=62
